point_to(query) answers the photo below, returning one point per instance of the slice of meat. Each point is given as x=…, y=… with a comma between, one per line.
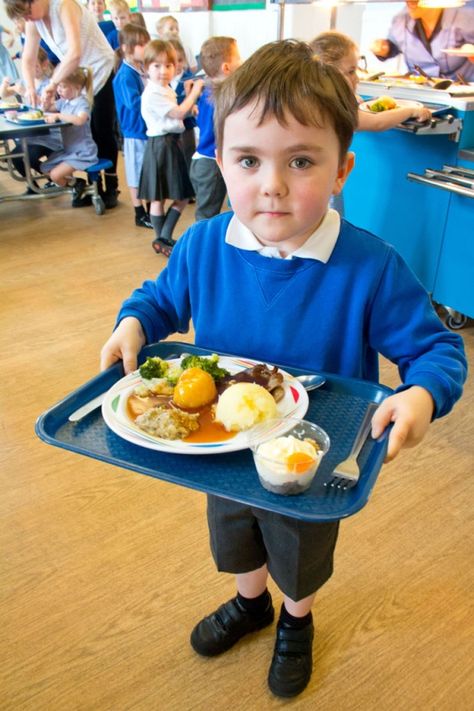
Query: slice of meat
x=269, y=378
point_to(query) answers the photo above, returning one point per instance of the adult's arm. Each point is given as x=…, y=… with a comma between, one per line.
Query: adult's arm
x=28, y=61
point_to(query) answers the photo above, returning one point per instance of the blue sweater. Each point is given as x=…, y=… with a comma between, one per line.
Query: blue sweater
x=205, y=121
x=334, y=317
x=128, y=87
x=189, y=121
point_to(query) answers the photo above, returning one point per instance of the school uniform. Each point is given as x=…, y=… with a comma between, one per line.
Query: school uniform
x=79, y=148
x=128, y=85
x=242, y=298
x=204, y=172
x=164, y=174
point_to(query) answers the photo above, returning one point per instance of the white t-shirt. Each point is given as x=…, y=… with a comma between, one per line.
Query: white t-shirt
x=96, y=53
x=157, y=102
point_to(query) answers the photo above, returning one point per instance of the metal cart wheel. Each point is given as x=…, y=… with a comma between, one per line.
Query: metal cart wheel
x=456, y=321
x=99, y=205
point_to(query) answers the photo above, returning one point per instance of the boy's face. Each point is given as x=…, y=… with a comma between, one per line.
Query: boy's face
x=170, y=29
x=120, y=18
x=97, y=7
x=280, y=178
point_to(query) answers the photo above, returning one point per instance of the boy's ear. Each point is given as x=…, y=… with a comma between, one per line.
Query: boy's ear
x=343, y=172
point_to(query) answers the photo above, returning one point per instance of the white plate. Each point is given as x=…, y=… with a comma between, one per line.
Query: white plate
x=294, y=404
x=401, y=104
x=466, y=50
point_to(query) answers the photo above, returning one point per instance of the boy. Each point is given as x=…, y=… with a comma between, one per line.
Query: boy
x=265, y=283
x=219, y=58
x=167, y=28
x=178, y=84
x=128, y=87
x=121, y=16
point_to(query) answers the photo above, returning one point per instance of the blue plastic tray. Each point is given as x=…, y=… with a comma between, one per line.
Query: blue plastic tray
x=338, y=407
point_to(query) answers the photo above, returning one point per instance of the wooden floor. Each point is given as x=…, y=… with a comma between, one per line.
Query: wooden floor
x=104, y=572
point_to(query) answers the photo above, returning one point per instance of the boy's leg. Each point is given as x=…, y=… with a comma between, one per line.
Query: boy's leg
x=249, y=611
x=292, y=661
x=209, y=187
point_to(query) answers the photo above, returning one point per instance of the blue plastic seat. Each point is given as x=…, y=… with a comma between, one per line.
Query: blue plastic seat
x=94, y=173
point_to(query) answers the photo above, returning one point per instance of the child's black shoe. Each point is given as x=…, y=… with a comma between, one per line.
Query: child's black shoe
x=78, y=189
x=143, y=221
x=292, y=662
x=223, y=628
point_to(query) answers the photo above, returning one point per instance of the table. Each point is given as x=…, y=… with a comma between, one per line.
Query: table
x=10, y=131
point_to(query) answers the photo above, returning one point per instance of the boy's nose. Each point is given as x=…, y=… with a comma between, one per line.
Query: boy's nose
x=273, y=183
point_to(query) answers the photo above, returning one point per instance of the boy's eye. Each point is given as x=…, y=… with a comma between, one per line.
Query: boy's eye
x=248, y=162
x=300, y=163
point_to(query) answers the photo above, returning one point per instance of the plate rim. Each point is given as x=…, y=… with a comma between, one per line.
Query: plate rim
x=192, y=448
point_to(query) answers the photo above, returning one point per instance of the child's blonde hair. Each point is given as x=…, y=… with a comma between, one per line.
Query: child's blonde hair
x=283, y=78
x=178, y=48
x=163, y=20
x=42, y=58
x=331, y=47
x=156, y=47
x=119, y=5
x=82, y=78
x=214, y=52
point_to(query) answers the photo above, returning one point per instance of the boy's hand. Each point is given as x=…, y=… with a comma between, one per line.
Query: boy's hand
x=124, y=344
x=411, y=412
x=51, y=118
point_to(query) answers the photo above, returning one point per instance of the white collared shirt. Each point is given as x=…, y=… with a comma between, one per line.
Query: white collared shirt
x=318, y=246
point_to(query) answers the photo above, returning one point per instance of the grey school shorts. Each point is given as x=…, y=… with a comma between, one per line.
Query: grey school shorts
x=133, y=152
x=299, y=554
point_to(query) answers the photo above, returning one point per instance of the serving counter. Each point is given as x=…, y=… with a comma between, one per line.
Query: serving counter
x=414, y=187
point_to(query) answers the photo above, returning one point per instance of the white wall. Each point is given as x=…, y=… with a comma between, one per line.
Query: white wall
x=253, y=28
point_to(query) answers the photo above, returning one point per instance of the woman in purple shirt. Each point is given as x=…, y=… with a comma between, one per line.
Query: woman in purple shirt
x=421, y=35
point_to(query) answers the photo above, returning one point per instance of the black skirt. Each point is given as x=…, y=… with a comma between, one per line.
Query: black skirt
x=164, y=173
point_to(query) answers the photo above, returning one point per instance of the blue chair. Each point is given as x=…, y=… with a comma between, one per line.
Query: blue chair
x=94, y=172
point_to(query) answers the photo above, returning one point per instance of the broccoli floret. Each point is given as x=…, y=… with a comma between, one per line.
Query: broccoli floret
x=209, y=364
x=154, y=367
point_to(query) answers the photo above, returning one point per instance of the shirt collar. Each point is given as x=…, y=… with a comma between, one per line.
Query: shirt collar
x=318, y=246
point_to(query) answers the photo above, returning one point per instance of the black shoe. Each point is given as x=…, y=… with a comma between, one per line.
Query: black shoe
x=292, y=663
x=78, y=189
x=163, y=246
x=85, y=201
x=220, y=631
x=143, y=221
x=110, y=198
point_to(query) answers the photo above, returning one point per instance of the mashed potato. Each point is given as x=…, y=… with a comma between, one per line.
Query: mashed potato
x=243, y=405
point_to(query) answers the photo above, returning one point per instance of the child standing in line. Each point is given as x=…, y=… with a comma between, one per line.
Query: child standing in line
x=265, y=283
x=98, y=7
x=164, y=174
x=79, y=150
x=129, y=83
x=167, y=28
x=339, y=50
x=178, y=84
x=219, y=57
x=121, y=16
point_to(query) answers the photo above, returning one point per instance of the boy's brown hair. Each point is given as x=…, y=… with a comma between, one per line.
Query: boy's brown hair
x=131, y=35
x=178, y=47
x=284, y=78
x=214, y=52
x=119, y=5
x=156, y=47
x=332, y=46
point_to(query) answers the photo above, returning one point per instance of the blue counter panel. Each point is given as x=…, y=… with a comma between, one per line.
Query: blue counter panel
x=379, y=198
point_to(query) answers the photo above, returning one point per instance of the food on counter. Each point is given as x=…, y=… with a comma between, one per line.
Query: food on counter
x=287, y=465
x=195, y=388
x=383, y=103
x=244, y=405
x=168, y=423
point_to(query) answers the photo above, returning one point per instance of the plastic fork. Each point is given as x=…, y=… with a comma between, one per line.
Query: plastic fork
x=346, y=474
